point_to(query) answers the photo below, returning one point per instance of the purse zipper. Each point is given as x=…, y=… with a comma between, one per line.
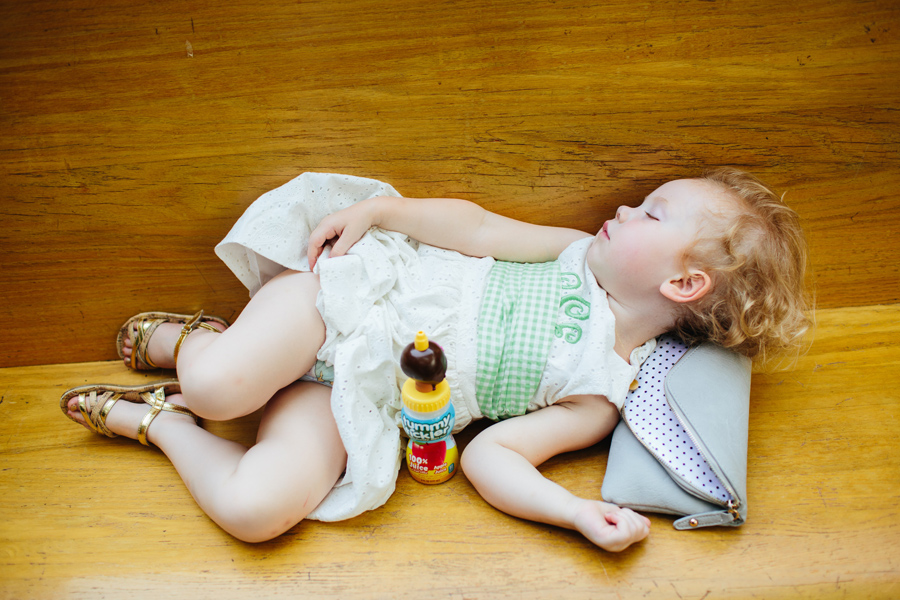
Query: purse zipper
x=732, y=505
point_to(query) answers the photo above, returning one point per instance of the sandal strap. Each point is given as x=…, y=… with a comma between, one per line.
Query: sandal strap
x=157, y=401
x=96, y=411
x=192, y=324
x=141, y=343
x=140, y=328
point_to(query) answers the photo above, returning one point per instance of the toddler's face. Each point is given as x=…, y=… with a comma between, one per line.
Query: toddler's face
x=642, y=247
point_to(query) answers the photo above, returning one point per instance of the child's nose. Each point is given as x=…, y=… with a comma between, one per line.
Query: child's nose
x=622, y=213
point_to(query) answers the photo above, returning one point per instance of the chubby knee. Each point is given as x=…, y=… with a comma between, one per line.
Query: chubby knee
x=212, y=392
x=202, y=392
x=253, y=517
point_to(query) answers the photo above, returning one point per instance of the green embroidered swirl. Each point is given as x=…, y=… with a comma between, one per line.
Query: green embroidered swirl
x=569, y=281
x=576, y=307
x=570, y=332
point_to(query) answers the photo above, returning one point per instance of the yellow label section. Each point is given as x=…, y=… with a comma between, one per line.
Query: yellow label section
x=431, y=463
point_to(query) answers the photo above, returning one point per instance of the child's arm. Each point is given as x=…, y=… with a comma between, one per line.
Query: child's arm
x=446, y=223
x=501, y=463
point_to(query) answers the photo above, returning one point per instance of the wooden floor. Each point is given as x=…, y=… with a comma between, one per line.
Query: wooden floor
x=89, y=517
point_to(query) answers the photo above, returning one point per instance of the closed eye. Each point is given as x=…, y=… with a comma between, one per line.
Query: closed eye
x=651, y=216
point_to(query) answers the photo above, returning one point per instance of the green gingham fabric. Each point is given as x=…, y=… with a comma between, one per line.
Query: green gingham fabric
x=515, y=329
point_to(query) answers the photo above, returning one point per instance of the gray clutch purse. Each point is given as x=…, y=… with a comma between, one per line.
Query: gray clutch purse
x=681, y=445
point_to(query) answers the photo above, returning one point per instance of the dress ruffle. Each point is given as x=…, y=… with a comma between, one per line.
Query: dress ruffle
x=273, y=232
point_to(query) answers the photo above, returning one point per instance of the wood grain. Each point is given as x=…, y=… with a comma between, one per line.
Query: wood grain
x=133, y=134
x=86, y=516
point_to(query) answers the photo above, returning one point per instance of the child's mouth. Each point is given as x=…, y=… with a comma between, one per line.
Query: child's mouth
x=603, y=230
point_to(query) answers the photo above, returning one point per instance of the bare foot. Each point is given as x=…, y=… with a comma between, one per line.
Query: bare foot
x=161, y=347
x=125, y=417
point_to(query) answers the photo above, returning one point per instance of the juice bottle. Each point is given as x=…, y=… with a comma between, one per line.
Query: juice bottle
x=427, y=413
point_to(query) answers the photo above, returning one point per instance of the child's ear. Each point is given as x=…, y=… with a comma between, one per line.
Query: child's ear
x=686, y=288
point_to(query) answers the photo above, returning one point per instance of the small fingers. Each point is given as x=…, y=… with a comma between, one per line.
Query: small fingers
x=347, y=226
x=630, y=527
x=630, y=515
x=317, y=240
x=611, y=527
x=347, y=238
x=343, y=239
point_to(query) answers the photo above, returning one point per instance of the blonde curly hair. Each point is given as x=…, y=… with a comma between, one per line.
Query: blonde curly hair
x=757, y=257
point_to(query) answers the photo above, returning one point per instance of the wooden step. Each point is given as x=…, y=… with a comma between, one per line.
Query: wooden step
x=86, y=516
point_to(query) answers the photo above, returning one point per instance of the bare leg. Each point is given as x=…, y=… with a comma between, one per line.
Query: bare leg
x=259, y=493
x=272, y=344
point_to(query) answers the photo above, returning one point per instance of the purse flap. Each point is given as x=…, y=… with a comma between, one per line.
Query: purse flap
x=709, y=390
x=634, y=478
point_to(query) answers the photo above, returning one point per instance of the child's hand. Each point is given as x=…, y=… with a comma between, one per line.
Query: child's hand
x=346, y=226
x=609, y=526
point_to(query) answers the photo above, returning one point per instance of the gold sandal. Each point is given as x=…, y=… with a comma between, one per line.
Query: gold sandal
x=95, y=402
x=147, y=323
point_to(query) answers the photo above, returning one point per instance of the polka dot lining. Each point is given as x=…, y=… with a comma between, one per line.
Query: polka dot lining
x=655, y=424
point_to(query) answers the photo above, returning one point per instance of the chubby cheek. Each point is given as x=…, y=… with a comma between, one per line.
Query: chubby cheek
x=641, y=269
x=614, y=267
x=631, y=258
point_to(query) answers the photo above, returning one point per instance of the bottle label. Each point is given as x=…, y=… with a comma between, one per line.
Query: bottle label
x=434, y=462
x=431, y=430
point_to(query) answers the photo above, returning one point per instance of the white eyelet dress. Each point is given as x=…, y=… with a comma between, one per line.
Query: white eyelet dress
x=388, y=287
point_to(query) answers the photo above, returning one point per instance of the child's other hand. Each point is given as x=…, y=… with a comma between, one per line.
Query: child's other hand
x=609, y=526
x=344, y=228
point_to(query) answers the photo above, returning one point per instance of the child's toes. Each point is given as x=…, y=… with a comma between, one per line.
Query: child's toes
x=126, y=342
x=73, y=411
x=127, y=349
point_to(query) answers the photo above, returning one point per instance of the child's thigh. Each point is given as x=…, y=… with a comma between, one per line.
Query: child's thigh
x=299, y=455
x=281, y=325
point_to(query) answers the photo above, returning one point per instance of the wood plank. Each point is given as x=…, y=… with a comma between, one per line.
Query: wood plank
x=133, y=134
x=86, y=516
